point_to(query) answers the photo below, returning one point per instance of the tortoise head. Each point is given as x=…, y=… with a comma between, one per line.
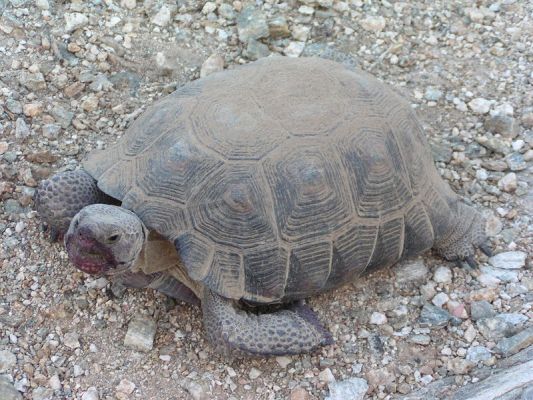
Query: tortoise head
x=104, y=239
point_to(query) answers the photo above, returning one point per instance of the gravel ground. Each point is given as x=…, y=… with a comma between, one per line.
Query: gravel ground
x=73, y=75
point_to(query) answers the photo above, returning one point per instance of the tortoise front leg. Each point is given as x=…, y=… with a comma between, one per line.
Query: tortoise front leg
x=60, y=198
x=233, y=331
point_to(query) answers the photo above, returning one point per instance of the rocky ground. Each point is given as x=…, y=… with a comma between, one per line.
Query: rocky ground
x=74, y=74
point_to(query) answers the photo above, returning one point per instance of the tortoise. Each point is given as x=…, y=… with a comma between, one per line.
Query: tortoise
x=261, y=185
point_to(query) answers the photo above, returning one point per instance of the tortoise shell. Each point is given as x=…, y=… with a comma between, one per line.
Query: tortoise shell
x=279, y=179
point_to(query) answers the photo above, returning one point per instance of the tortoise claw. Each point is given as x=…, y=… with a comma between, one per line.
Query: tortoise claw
x=469, y=263
x=486, y=249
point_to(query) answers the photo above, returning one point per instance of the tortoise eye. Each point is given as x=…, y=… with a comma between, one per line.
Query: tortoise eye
x=113, y=238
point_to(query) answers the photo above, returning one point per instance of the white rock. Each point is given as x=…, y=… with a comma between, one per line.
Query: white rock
x=300, y=32
x=306, y=10
x=90, y=394
x=254, y=373
x=7, y=360
x=373, y=24
x=508, y=183
x=440, y=299
x=54, y=382
x=479, y=105
x=442, y=275
x=71, y=340
x=162, y=18
x=214, y=63
x=209, y=7
x=283, y=361
x=42, y=4
x=326, y=376
x=470, y=334
x=352, y=389
x=129, y=4
x=141, y=333
x=509, y=260
x=504, y=109
x=378, y=318
x=75, y=21
x=125, y=386
x=294, y=49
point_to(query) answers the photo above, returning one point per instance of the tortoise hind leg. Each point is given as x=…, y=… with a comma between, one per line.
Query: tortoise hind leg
x=233, y=331
x=60, y=198
x=467, y=233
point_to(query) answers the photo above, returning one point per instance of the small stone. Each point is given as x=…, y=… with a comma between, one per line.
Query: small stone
x=508, y=183
x=54, y=382
x=495, y=165
x=254, y=373
x=509, y=260
x=21, y=129
x=71, y=340
x=478, y=353
x=481, y=309
x=516, y=162
x=420, y=339
x=501, y=124
x=278, y=28
x=32, y=81
x=442, y=275
x=470, y=334
x=4, y=146
x=283, y=361
x=162, y=17
x=441, y=151
x=90, y=394
x=125, y=386
x=512, y=318
x=299, y=394
x=353, y=389
x=7, y=390
x=129, y=4
x=527, y=120
x=7, y=360
x=74, y=89
x=440, y=299
x=33, y=109
x=294, y=49
x=494, y=328
x=197, y=390
x=209, y=7
x=214, y=63
x=300, y=32
x=90, y=103
x=326, y=376
x=433, y=316
x=432, y=94
x=480, y=105
x=373, y=24
x=256, y=50
x=62, y=116
x=141, y=333
x=42, y=4
x=511, y=345
x=378, y=318
x=460, y=366
x=226, y=11
x=51, y=131
x=380, y=376
x=14, y=106
x=75, y=21
x=306, y=10
x=252, y=24
x=501, y=274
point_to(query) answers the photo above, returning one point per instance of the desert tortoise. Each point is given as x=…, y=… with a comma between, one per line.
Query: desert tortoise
x=263, y=184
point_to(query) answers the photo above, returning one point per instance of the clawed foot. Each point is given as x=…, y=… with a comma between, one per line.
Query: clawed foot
x=55, y=235
x=469, y=262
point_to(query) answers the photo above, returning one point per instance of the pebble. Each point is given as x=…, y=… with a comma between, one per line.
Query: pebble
x=433, y=316
x=511, y=345
x=256, y=50
x=278, y=27
x=75, y=21
x=442, y=275
x=479, y=105
x=7, y=390
x=509, y=260
x=22, y=130
x=294, y=49
x=481, y=309
x=420, y=339
x=14, y=106
x=254, y=373
x=440, y=299
x=54, y=382
x=432, y=94
x=460, y=366
x=214, y=63
x=252, y=24
x=515, y=162
x=162, y=17
x=299, y=393
x=283, y=361
x=470, y=334
x=90, y=394
x=71, y=340
x=378, y=318
x=478, y=353
x=125, y=386
x=141, y=333
x=494, y=328
x=501, y=124
x=353, y=389
x=373, y=24
x=42, y=4
x=32, y=81
x=326, y=376
x=508, y=183
x=499, y=274
x=7, y=360
x=33, y=109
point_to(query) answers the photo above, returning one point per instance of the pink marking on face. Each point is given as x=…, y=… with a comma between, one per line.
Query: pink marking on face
x=87, y=254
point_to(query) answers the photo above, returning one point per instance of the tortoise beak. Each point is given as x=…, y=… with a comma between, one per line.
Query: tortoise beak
x=87, y=254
